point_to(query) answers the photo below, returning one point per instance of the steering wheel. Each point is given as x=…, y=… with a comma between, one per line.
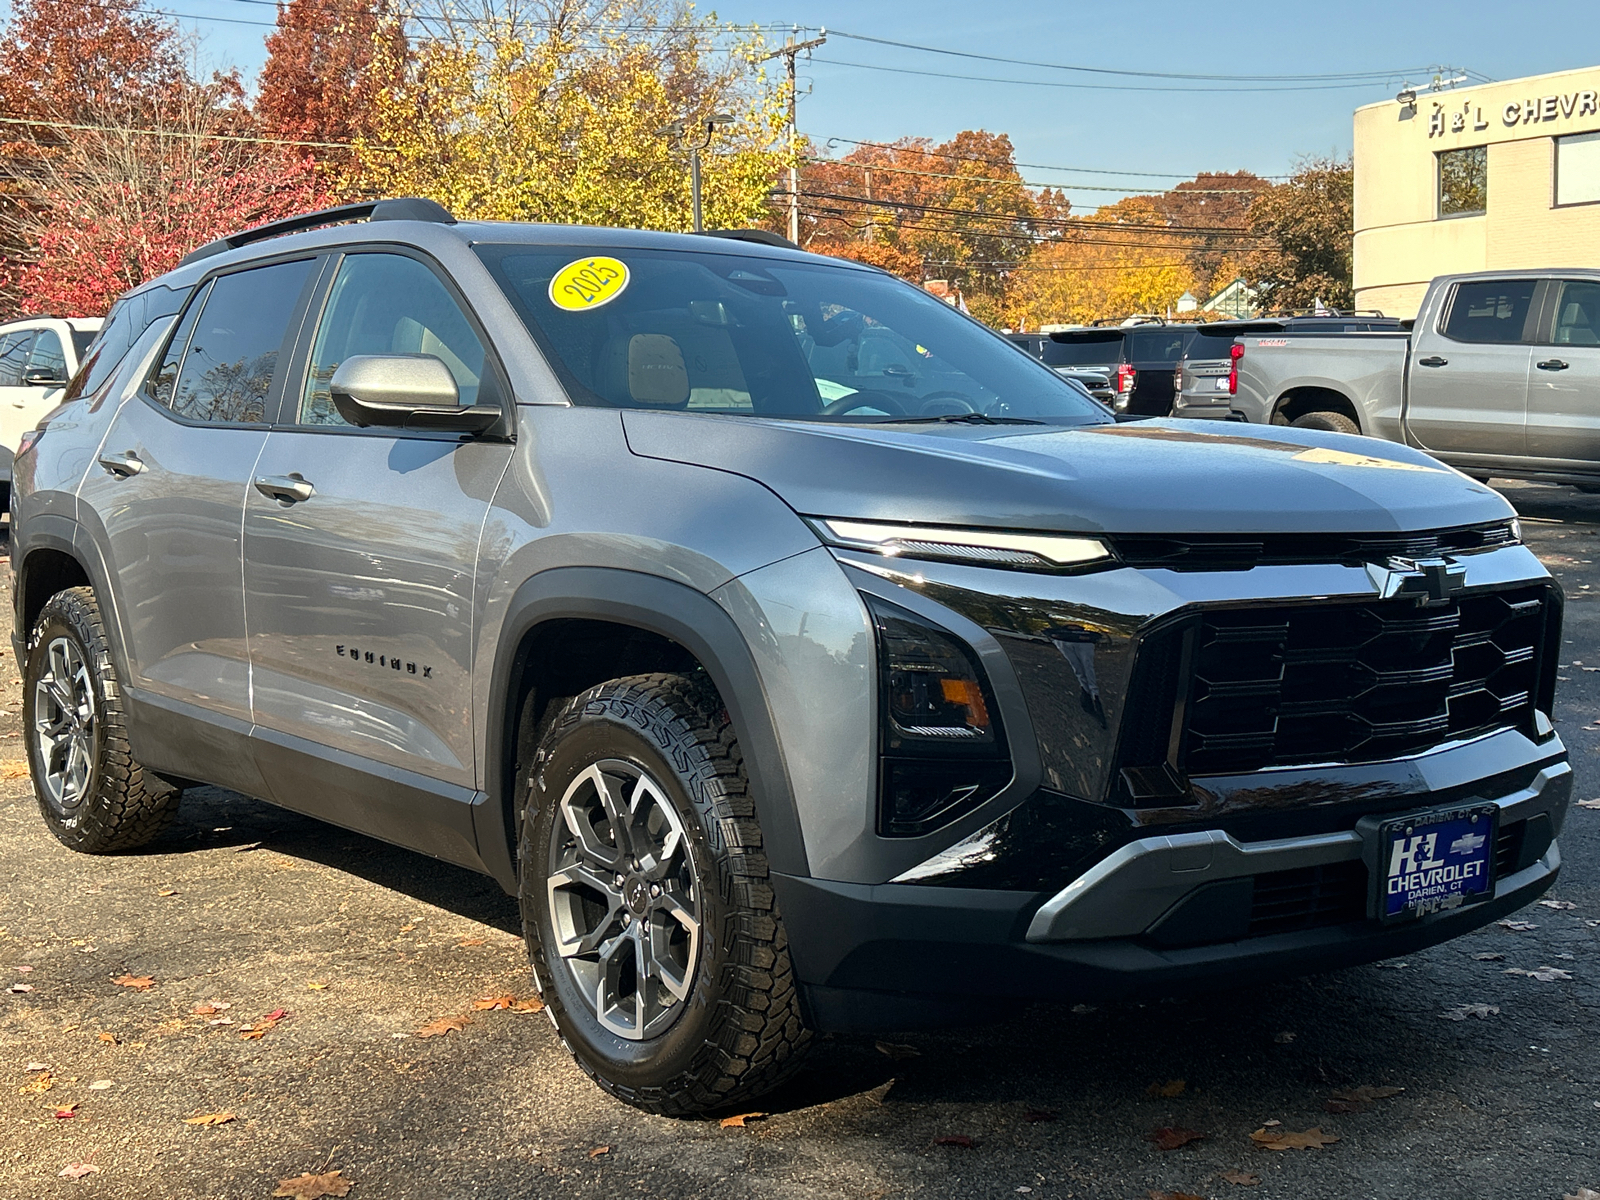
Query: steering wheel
x=868, y=398
x=938, y=404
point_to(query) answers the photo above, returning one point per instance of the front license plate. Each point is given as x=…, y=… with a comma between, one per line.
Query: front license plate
x=1435, y=861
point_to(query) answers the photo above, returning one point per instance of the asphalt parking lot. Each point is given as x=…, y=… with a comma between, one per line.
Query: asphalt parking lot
x=316, y=957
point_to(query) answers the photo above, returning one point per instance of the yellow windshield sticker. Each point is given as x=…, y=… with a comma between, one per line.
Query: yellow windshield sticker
x=1342, y=458
x=588, y=283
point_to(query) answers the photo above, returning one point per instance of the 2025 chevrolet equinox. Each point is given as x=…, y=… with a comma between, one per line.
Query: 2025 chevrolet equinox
x=803, y=655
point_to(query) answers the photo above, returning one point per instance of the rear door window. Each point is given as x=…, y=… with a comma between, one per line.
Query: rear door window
x=1490, y=311
x=225, y=373
x=1083, y=352
x=1156, y=345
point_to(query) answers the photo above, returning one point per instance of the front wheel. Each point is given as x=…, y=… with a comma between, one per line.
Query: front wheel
x=95, y=797
x=646, y=905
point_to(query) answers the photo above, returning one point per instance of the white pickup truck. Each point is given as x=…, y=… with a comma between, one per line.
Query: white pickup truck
x=1499, y=375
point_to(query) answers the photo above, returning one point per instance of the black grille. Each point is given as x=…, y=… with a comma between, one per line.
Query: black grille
x=1356, y=682
x=1309, y=898
x=1508, y=848
x=1231, y=552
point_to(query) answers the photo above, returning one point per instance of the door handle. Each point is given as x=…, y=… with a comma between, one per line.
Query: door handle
x=286, y=489
x=122, y=465
x=1551, y=364
x=1433, y=360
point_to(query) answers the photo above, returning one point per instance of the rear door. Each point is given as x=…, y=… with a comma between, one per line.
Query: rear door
x=361, y=551
x=1154, y=352
x=1467, y=392
x=1564, y=385
x=168, y=495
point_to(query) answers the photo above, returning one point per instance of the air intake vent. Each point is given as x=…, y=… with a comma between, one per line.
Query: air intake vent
x=1231, y=552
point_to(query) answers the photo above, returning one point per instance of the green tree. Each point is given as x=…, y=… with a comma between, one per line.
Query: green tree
x=1304, y=228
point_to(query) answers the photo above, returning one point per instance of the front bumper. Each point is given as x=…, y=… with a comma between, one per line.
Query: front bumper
x=1161, y=913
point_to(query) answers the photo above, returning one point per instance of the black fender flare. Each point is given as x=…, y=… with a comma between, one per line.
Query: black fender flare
x=657, y=605
x=56, y=531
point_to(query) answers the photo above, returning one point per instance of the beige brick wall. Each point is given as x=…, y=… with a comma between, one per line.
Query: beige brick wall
x=1400, y=246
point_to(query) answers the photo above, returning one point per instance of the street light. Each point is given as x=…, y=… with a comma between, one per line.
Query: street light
x=675, y=132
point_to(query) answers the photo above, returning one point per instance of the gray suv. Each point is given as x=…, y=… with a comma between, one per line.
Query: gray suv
x=801, y=655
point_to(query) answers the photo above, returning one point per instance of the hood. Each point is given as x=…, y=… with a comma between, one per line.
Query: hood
x=1140, y=477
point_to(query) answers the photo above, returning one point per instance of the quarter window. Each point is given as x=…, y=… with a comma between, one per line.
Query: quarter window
x=232, y=355
x=1464, y=181
x=388, y=304
x=1491, y=311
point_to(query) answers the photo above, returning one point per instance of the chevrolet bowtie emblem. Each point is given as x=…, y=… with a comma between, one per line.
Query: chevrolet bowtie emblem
x=1431, y=580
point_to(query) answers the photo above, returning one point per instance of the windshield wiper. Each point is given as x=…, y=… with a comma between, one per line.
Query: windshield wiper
x=971, y=418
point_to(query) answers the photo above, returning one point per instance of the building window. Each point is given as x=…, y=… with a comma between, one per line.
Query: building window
x=1578, y=169
x=1464, y=182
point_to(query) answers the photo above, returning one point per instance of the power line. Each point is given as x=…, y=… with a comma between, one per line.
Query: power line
x=1006, y=162
x=1053, y=222
x=1074, y=187
x=173, y=133
x=1095, y=87
x=1020, y=62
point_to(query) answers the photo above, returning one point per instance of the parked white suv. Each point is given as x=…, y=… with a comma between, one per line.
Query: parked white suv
x=37, y=357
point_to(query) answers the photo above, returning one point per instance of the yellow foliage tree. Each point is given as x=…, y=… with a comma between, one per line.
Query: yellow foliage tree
x=556, y=115
x=1113, y=263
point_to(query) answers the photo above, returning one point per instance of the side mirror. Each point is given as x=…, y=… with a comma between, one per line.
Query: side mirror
x=44, y=377
x=408, y=391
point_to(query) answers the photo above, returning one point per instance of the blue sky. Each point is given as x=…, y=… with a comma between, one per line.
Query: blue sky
x=1177, y=132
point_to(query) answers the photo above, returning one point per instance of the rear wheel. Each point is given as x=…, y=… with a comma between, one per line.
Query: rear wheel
x=645, y=902
x=1333, y=422
x=94, y=795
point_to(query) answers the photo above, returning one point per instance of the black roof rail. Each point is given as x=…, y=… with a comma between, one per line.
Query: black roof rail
x=405, y=208
x=764, y=237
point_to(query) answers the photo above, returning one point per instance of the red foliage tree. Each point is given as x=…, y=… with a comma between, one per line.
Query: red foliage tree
x=321, y=73
x=63, y=59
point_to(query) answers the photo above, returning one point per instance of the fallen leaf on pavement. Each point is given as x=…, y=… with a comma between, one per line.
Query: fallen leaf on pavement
x=315, y=1187
x=1035, y=1116
x=209, y=1010
x=1353, y=1100
x=1489, y=957
x=1175, y=1196
x=1242, y=1178
x=1582, y=1194
x=1518, y=926
x=599, y=1150
x=738, y=1121
x=531, y=1005
x=167, y=892
x=443, y=1026
x=1169, y=1089
x=1462, y=1011
x=78, y=1170
x=109, y=1039
x=14, y=770
x=20, y=988
x=1284, y=1038
x=43, y=1082
x=1170, y=1138
x=1276, y=1139
x=257, y=1030
x=465, y=942
x=100, y=1085
x=956, y=1139
x=138, y=983
x=491, y=1003
x=216, y=1118
x=1589, y=803
x=36, y=1066
x=898, y=1052
x=317, y=985
x=66, y=1112
x=1542, y=974
x=1558, y=905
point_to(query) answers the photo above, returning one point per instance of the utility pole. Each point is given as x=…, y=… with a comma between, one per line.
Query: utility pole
x=675, y=134
x=790, y=50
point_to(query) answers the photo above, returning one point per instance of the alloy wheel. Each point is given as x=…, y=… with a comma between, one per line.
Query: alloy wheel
x=623, y=899
x=64, y=724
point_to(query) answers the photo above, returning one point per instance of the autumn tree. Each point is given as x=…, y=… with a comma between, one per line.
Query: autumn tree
x=1212, y=213
x=554, y=112
x=65, y=60
x=1304, y=228
x=324, y=72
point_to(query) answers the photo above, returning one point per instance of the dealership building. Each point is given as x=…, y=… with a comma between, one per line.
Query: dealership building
x=1494, y=177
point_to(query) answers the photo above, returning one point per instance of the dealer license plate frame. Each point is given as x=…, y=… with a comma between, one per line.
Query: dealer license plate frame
x=1379, y=835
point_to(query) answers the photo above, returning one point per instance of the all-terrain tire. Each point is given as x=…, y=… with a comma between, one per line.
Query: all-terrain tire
x=739, y=1031
x=122, y=806
x=1331, y=421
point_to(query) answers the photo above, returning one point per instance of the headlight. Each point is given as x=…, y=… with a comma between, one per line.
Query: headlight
x=976, y=547
x=943, y=750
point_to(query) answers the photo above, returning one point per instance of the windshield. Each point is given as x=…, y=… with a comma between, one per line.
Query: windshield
x=729, y=333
